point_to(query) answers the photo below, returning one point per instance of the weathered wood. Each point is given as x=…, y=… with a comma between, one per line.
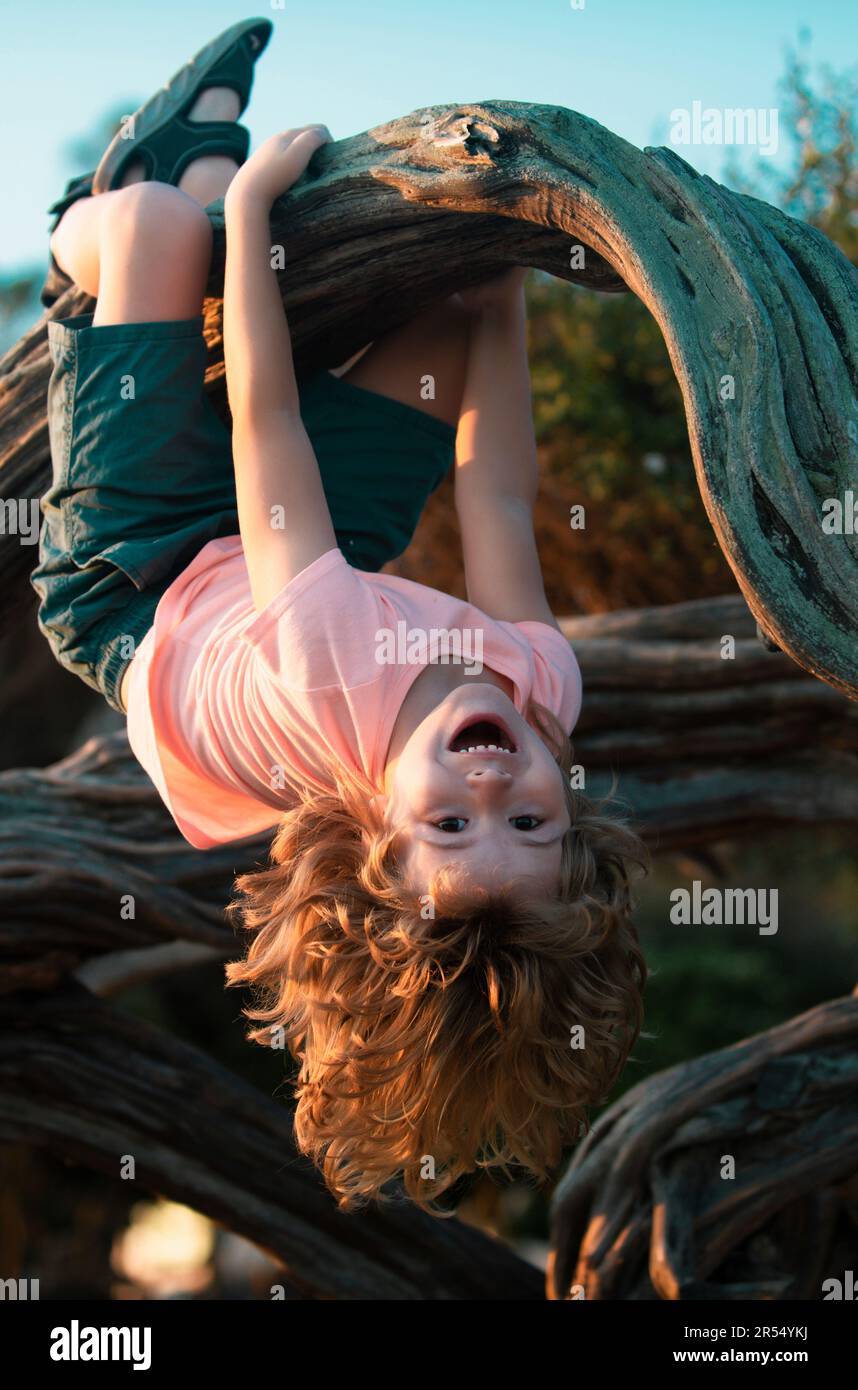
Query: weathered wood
x=112, y=872
x=707, y=746
x=644, y=1211
x=694, y=764
x=759, y=313
x=696, y=620
x=81, y=1078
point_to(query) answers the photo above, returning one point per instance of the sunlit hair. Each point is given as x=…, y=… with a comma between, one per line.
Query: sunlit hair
x=430, y=1046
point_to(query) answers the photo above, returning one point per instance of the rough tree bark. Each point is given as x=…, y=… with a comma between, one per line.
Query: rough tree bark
x=644, y=1210
x=759, y=313
x=94, y=1084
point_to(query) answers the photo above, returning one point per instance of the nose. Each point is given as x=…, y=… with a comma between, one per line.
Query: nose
x=489, y=778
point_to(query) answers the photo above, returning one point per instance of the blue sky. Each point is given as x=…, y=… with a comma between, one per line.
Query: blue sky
x=355, y=63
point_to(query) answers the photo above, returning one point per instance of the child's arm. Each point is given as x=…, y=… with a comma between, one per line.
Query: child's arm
x=273, y=458
x=496, y=474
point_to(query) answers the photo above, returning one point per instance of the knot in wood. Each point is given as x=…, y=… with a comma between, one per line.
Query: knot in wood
x=464, y=137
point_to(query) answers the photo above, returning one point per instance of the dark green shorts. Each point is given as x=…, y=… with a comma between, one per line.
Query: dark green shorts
x=143, y=478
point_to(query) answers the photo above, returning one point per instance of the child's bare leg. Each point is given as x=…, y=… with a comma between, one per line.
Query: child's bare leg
x=432, y=344
x=143, y=250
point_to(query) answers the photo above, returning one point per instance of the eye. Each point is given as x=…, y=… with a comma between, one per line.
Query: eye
x=525, y=822
x=451, y=825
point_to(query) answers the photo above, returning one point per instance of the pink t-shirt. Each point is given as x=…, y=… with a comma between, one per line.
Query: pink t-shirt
x=229, y=709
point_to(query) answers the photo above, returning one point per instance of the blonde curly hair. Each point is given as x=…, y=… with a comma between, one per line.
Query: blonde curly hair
x=434, y=1040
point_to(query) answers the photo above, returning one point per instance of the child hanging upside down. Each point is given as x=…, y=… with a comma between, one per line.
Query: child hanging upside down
x=443, y=933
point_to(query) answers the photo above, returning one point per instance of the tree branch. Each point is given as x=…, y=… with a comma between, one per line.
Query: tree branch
x=643, y=1210
x=99, y=1086
x=759, y=313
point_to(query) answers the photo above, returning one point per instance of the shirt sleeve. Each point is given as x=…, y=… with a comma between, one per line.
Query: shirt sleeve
x=557, y=676
x=319, y=632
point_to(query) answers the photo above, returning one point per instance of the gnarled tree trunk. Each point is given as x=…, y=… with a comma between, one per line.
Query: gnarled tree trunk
x=650, y=1207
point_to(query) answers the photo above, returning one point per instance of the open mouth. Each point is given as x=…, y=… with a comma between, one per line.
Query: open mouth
x=482, y=736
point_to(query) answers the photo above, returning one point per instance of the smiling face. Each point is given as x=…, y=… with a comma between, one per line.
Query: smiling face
x=476, y=786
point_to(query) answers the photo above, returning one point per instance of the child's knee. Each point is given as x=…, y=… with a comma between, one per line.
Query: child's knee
x=157, y=212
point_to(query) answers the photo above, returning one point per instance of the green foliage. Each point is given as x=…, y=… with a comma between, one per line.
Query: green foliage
x=611, y=427
x=711, y=986
x=820, y=185
x=604, y=388
x=16, y=292
x=709, y=991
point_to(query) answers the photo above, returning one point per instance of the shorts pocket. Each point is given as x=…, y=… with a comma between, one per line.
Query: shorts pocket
x=150, y=561
x=112, y=555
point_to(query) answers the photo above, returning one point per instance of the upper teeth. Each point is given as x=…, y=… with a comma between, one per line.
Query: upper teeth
x=486, y=748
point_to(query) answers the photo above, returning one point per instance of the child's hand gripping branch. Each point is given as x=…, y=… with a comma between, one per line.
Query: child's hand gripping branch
x=271, y=448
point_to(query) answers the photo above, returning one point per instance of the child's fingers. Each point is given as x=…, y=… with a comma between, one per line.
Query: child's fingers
x=281, y=160
x=314, y=137
x=300, y=150
x=298, y=136
x=317, y=132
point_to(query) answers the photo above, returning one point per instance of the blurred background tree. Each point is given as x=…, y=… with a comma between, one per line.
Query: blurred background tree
x=820, y=181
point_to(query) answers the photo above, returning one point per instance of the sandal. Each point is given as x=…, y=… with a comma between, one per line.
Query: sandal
x=163, y=139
